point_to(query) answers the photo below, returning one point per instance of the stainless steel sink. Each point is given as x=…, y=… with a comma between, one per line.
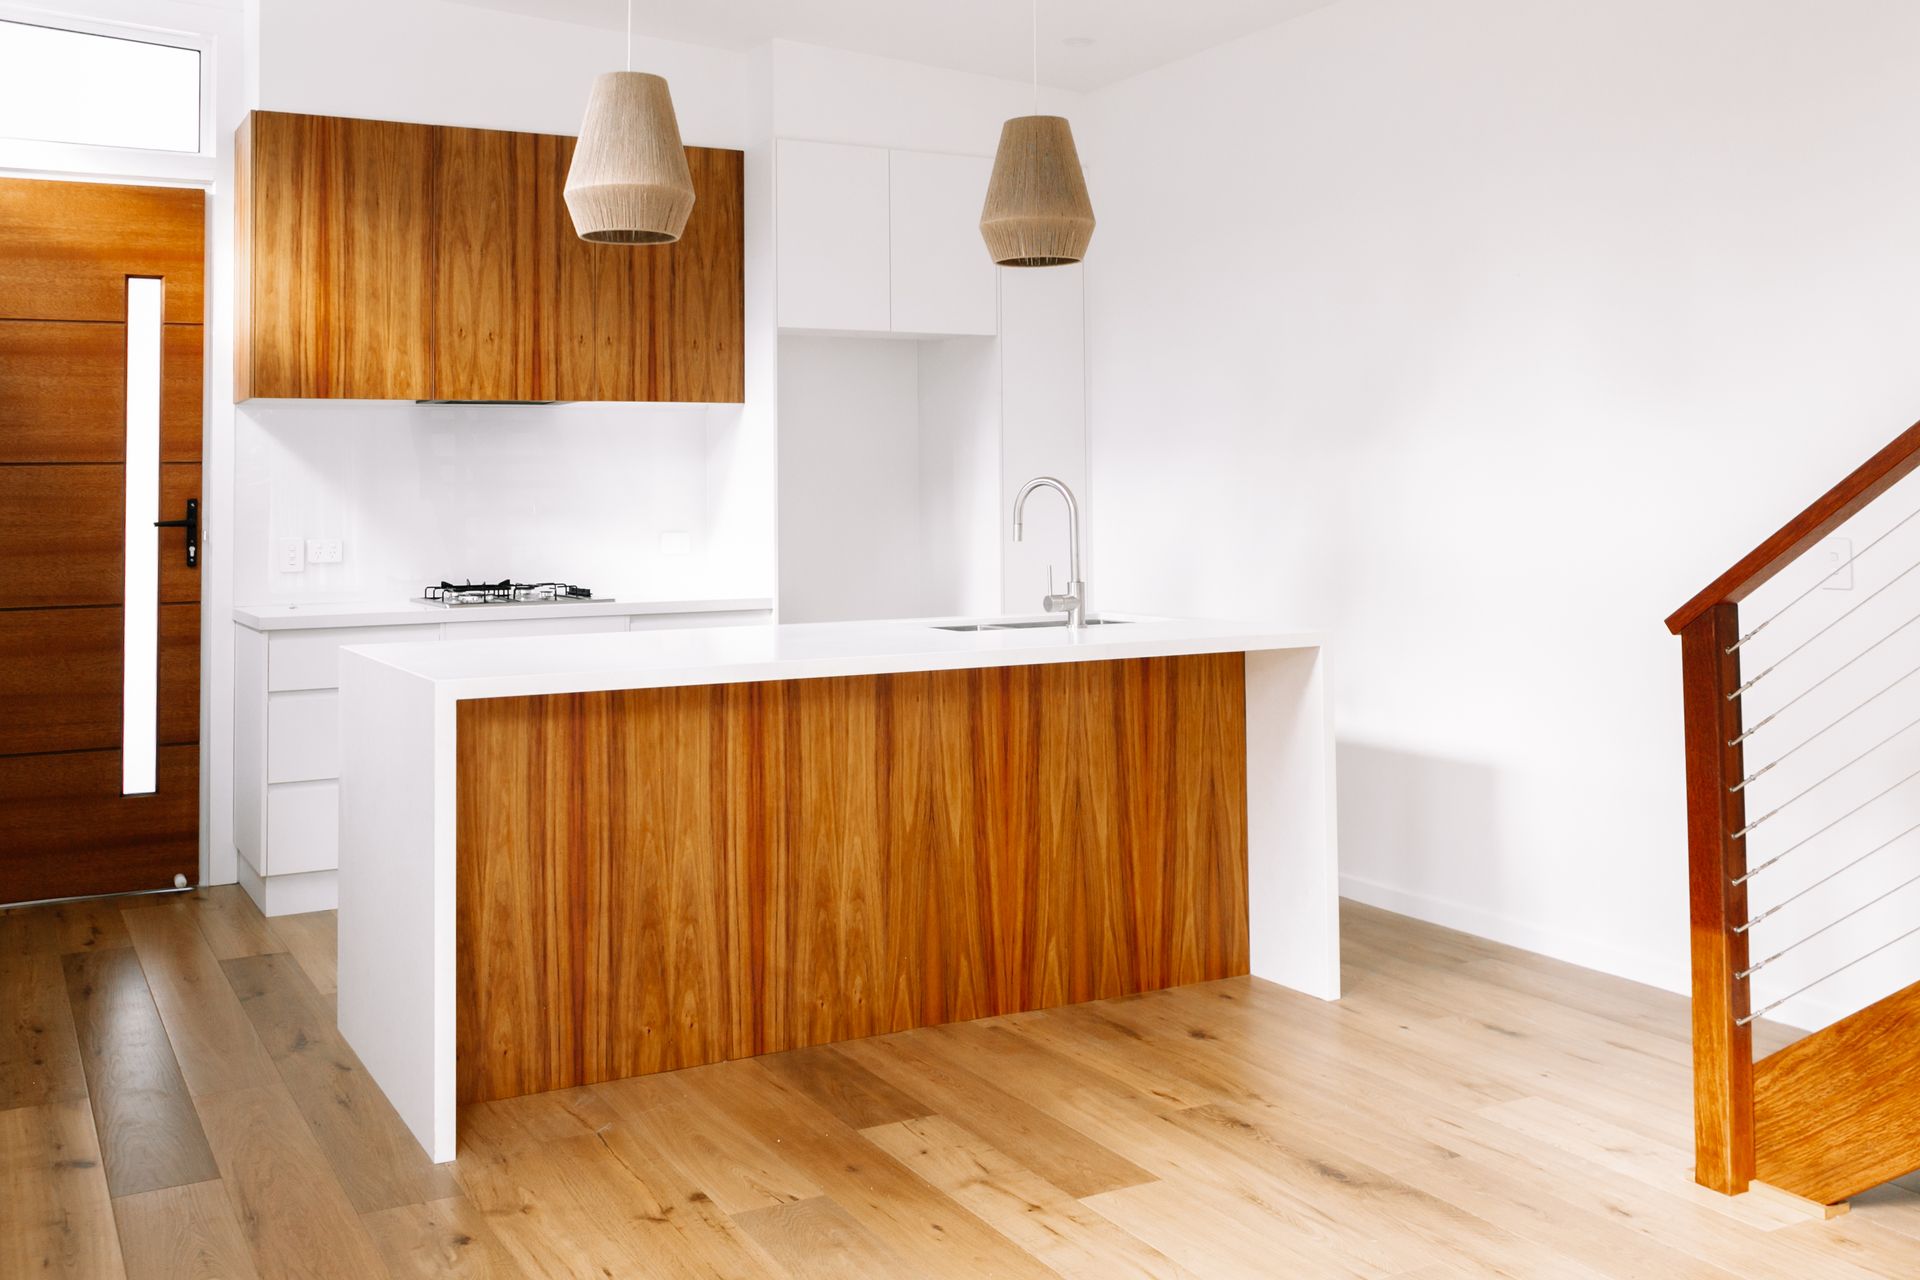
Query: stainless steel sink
x=1025, y=626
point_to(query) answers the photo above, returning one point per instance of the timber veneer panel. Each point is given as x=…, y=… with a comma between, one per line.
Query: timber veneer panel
x=60, y=687
x=63, y=391
x=485, y=264
x=1836, y=1113
x=84, y=844
x=414, y=262
x=653, y=879
x=335, y=255
x=697, y=325
x=69, y=259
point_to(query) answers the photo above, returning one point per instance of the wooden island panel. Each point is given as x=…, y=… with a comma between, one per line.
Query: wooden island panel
x=655, y=879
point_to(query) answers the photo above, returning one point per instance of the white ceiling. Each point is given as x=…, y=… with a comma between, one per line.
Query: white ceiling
x=992, y=37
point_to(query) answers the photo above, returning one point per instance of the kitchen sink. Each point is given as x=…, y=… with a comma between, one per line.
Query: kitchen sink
x=1025, y=626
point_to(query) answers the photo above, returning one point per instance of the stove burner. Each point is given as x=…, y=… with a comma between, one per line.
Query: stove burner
x=450, y=594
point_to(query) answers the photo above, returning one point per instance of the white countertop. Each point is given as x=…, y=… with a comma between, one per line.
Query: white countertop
x=387, y=613
x=733, y=655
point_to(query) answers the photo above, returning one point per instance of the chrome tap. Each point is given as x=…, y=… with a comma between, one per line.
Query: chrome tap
x=1072, y=602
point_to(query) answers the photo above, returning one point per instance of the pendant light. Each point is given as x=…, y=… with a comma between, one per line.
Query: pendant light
x=629, y=182
x=1037, y=212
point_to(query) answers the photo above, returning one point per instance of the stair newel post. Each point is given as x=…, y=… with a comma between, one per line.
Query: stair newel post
x=1722, y=1047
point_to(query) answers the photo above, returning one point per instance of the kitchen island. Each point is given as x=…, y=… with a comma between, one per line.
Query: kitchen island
x=569, y=859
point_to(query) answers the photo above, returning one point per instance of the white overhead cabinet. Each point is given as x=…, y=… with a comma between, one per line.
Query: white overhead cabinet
x=831, y=236
x=882, y=242
x=943, y=280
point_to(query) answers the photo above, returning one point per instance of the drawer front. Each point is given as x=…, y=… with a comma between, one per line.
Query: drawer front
x=311, y=659
x=303, y=828
x=686, y=621
x=303, y=735
x=506, y=628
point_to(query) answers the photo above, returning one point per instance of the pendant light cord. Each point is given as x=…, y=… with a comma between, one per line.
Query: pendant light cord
x=1036, y=54
x=630, y=35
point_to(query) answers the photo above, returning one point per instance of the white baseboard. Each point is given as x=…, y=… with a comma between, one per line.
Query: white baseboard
x=1585, y=951
x=290, y=895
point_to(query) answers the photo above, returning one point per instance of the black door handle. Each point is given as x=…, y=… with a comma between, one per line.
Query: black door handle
x=192, y=525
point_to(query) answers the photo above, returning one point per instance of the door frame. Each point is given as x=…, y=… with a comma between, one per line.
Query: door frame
x=220, y=36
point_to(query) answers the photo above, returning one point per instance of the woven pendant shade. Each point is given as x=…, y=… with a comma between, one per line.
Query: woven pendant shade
x=1037, y=212
x=629, y=182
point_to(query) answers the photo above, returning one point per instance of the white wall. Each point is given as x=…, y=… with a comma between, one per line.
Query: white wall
x=1482, y=334
x=601, y=495
x=436, y=62
x=851, y=541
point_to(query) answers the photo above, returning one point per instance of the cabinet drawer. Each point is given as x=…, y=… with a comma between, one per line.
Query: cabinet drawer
x=311, y=659
x=509, y=627
x=303, y=827
x=303, y=735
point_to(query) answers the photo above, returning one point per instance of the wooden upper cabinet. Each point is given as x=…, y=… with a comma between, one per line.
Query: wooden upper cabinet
x=394, y=261
x=484, y=318
x=334, y=244
x=699, y=290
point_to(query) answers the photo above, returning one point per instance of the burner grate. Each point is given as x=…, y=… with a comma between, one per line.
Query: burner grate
x=506, y=591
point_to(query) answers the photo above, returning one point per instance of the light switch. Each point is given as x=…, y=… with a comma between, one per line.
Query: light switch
x=291, y=557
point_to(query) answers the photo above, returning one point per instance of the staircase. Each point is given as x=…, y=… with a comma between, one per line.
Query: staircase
x=1803, y=820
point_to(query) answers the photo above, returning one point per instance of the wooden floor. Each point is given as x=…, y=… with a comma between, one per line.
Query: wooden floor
x=174, y=1102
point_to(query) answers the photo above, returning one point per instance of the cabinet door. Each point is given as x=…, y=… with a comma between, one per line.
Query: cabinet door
x=336, y=237
x=698, y=313
x=831, y=236
x=943, y=278
x=591, y=298
x=486, y=259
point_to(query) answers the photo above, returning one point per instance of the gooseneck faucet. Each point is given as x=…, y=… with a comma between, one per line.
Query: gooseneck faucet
x=1073, y=602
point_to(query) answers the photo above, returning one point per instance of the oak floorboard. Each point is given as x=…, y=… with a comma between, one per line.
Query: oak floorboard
x=1062, y=1232
x=740, y=1173
x=1062, y=1155
x=212, y=1038
x=311, y=939
x=1465, y=1111
x=874, y=1188
x=443, y=1240
x=150, y=1135
x=377, y=1161
x=297, y=1222
x=39, y=1055
x=56, y=1218
x=858, y=1097
x=815, y=1239
x=233, y=925
x=61, y=928
x=183, y=1233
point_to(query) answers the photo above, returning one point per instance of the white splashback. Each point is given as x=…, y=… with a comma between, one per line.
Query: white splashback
x=587, y=493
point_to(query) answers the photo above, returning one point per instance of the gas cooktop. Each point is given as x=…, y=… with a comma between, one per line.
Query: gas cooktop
x=450, y=595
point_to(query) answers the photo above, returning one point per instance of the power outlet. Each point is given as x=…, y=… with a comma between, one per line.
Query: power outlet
x=290, y=556
x=323, y=551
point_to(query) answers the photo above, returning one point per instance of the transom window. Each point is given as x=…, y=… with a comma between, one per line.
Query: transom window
x=98, y=89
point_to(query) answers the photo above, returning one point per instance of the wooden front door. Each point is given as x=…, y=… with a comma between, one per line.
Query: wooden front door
x=101, y=311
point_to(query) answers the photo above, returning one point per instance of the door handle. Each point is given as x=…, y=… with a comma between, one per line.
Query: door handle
x=192, y=525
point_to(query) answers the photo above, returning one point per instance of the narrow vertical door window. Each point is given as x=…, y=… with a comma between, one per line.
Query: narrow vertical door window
x=140, y=669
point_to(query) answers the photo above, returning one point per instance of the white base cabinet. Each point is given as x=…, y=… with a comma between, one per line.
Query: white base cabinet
x=287, y=745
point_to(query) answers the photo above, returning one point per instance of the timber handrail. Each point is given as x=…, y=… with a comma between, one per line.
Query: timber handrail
x=1865, y=483
x=1835, y=1113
